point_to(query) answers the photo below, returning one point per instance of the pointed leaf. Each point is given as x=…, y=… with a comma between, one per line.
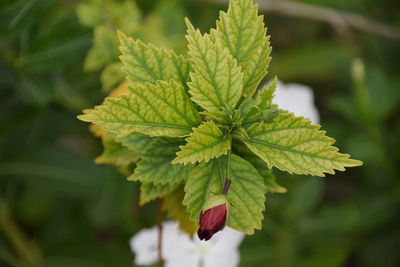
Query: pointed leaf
x=242, y=31
x=206, y=142
x=146, y=63
x=253, y=108
x=163, y=109
x=294, y=145
x=156, y=167
x=246, y=194
x=216, y=82
x=150, y=191
x=264, y=98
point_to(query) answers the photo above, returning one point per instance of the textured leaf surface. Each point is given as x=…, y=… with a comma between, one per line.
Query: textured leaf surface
x=242, y=31
x=246, y=194
x=163, y=109
x=150, y=191
x=146, y=63
x=294, y=145
x=269, y=178
x=172, y=204
x=206, y=142
x=217, y=80
x=155, y=165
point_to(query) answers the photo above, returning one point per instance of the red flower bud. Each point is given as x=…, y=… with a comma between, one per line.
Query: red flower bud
x=213, y=219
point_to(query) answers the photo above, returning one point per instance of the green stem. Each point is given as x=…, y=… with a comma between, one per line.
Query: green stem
x=27, y=251
x=228, y=181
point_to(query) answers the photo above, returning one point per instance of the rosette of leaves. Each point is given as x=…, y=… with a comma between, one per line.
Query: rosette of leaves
x=195, y=122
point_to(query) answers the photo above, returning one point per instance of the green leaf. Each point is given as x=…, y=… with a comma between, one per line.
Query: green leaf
x=155, y=165
x=264, y=99
x=246, y=194
x=104, y=50
x=242, y=31
x=271, y=185
x=172, y=204
x=294, y=145
x=269, y=178
x=136, y=142
x=116, y=154
x=150, y=191
x=163, y=109
x=216, y=82
x=89, y=14
x=206, y=142
x=146, y=63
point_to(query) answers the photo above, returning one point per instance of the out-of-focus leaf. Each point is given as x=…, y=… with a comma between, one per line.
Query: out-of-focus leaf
x=111, y=76
x=104, y=50
x=116, y=154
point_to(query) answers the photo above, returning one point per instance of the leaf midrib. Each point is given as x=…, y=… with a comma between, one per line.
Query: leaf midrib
x=262, y=142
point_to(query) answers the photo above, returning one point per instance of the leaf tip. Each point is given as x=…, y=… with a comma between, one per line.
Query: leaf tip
x=121, y=35
x=84, y=117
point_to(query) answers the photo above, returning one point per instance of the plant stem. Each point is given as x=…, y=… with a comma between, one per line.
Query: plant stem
x=29, y=254
x=228, y=181
x=160, y=262
x=341, y=21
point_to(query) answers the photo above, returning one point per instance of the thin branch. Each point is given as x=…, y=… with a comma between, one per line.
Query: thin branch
x=228, y=181
x=341, y=21
x=160, y=262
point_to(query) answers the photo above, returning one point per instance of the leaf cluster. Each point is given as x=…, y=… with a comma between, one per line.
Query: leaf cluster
x=187, y=123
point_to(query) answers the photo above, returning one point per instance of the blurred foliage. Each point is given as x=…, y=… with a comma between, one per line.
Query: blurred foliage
x=57, y=208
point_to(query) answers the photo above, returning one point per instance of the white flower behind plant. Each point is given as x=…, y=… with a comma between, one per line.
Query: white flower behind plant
x=179, y=250
x=297, y=98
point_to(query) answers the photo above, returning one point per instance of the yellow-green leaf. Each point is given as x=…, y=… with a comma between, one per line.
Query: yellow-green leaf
x=136, y=142
x=216, y=81
x=163, y=109
x=242, y=31
x=150, y=191
x=155, y=165
x=269, y=178
x=294, y=145
x=206, y=142
x=116, y=154
x=148, y=64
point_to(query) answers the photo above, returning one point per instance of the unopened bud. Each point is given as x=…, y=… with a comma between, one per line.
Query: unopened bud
x=213, y=216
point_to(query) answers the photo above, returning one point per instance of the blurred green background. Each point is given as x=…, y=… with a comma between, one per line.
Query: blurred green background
x=57, y=208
